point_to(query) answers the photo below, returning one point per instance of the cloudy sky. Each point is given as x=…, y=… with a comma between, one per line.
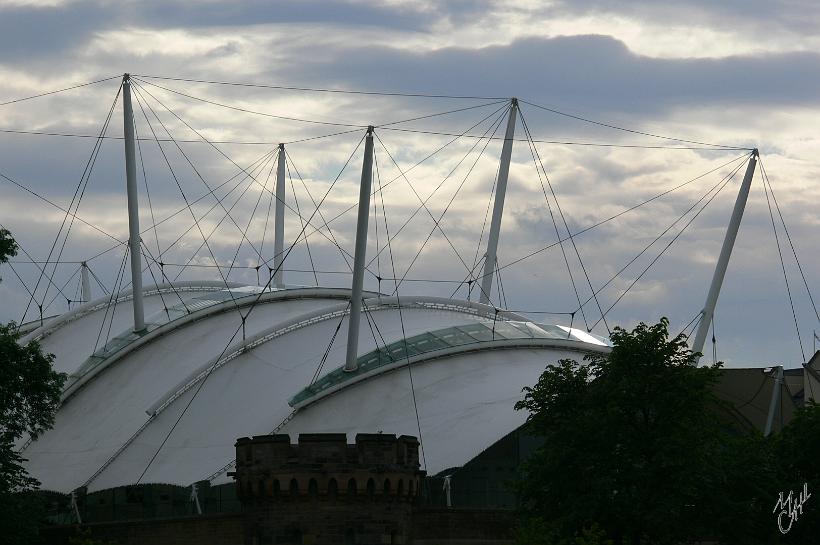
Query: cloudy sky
x=738, y=74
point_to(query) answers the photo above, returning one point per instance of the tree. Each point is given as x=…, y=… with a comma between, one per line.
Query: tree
x=8, y=247
x=637, y=445
x=797, y=448
x=29, y=397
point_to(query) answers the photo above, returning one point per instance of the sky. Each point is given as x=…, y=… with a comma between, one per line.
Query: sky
x=737, y=74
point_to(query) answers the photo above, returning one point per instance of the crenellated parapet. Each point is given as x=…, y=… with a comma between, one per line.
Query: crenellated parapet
x=325, y=467
x=324, y=490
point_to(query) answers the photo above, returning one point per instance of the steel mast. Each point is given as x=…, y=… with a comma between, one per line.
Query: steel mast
x=708, y=311
x=133, y=206
x=85, y=293
x=490, y=258
x=351, y=363
x=279, y=222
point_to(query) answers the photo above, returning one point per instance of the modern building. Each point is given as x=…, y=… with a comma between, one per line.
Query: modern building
x=164, y=378
x=166, y=406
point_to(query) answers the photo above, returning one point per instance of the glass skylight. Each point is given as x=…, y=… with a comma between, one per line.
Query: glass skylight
x=474, y=333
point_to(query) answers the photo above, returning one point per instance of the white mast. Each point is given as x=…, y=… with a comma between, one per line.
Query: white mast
x=359, y=257
x=774, y=404
x=133, y=205
x=498, y=206
x=279, y=221
x=86, y=284
x=725, y=253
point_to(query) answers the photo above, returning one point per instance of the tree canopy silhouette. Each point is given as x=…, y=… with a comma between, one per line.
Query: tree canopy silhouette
x=29, y=397
x=638, y=449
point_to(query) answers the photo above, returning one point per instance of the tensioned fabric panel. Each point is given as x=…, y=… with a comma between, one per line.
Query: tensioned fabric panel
x=249, y=396
x=74, y=342
x=430, y=342
x=465, y=403
x=103, y=414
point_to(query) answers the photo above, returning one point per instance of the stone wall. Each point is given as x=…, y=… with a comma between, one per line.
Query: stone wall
x=319, y=491
x=323, y=490
x=429, y=527
x=222, y=529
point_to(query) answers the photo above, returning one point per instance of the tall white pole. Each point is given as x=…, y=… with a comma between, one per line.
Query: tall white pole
x=279, y=221
x=498, y=206
x=86, y=284
x=774, y=404
x=133, y=205
x=725, y=253
x=359, y=256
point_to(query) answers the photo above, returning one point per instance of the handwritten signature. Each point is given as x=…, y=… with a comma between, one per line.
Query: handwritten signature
x=790, y=508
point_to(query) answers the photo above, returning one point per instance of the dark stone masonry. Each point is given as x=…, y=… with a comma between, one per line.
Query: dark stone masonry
x=324, y=490
x=318, y=491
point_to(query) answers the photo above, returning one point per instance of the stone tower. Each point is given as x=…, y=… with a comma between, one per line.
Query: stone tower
x=325, y=491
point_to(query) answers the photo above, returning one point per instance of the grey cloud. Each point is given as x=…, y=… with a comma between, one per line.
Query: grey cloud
x=35, y=32
x=761, y=15
x=593, y=73
x=28, y=33
x=596, y=76
x=195, y=14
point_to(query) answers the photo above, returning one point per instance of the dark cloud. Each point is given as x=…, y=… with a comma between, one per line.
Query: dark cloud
x=593, y=73
x=254, y=12
x=28, y=32
x=595, y=76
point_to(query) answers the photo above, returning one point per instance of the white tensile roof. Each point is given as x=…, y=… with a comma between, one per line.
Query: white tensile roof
x=122, y=421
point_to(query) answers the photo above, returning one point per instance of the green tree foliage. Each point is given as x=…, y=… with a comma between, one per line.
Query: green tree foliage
x=29, y=397
x=797, y=449
x=636, y=447
x=8, y=247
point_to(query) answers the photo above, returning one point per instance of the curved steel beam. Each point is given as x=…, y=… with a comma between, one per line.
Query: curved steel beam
x=99, y=303
x=198, y=314
x=478, y=346
x=375, y=302
x=298, y=322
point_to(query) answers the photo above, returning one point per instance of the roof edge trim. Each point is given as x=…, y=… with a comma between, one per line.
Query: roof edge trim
x=375, y=303
x=480, y=346
x=239, y=302
x=58, y=321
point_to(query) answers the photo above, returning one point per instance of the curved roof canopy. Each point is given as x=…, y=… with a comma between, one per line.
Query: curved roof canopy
x=166, y=405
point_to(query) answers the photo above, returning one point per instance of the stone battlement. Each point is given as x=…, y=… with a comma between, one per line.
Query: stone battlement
x=325, y=467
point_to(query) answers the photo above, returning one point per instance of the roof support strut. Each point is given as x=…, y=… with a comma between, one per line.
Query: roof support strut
x=85, y=292
x=725, y=253
x=498, y=206
x=279, y=221
x=351, y=364
x=774, y=404
x=133, y=205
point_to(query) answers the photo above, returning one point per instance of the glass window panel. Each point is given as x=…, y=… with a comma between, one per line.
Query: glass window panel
x=523, y=328
x=395, y=352
x=412, y=349
x=222, y=295
x=555, y=331
x=537, y=332
x=504, y=330
x=428, y=343
x=176, y=313
x=479, y=332
x=454, y=337
x=385, y=357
